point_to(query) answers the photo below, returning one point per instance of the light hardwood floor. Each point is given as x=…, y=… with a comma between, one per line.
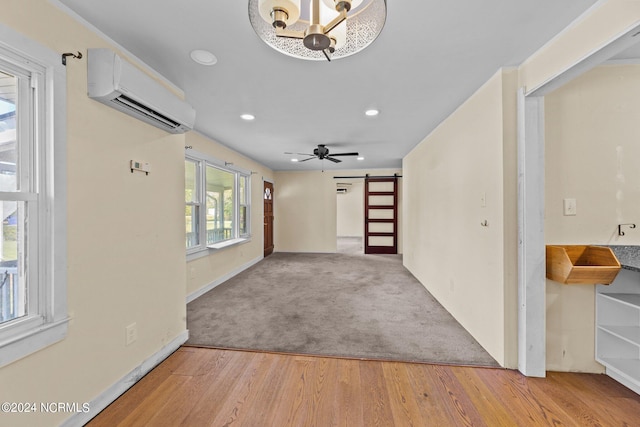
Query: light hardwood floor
x=208, y=387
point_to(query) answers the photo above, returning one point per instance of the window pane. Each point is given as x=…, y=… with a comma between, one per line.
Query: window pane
x=191, y=220
x=243, y=220
x=243, y=190
x=8, y=151
x=191, y=180
x=13, y=296
x=219, y=205
x=243, y=196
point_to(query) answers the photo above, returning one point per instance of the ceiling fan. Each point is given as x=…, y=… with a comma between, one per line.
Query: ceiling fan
x=322, y=152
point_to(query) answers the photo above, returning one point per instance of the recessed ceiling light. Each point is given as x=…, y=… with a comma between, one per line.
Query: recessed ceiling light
x=247, y=117
x=203, y=57
x=372, y=112
x=360, y=158
x=294, y=160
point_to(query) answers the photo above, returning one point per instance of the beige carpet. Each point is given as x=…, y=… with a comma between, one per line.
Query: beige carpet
x=348, y=305
x=350, y=245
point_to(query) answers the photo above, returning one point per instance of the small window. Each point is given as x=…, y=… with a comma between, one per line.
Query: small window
x=217, y=203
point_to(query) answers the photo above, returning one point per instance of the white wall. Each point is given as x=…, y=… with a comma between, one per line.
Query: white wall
x=592, y=154
x=350, y=209
x=459, y=176
x=305, y=206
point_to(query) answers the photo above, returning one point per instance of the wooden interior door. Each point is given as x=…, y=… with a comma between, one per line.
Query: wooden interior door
x=381, y=215
x=268, y=218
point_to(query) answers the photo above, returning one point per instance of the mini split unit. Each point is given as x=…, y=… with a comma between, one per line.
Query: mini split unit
x=118, y=84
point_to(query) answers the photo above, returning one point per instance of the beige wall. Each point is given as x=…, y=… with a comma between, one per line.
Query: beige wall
x=510, y=216
x=350, y=210
x=592, y=155
x=468, y=267
x=608, y=19
x=218, y=264
x=125, y=259
x=305, y=209
x=570, y=309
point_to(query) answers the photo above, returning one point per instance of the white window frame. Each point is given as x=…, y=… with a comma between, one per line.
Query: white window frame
x=202, y=161
x=46, y=321
x=246, y=203
x=196, y=204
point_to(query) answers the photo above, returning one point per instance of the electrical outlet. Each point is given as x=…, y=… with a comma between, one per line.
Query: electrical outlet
x=131, y=333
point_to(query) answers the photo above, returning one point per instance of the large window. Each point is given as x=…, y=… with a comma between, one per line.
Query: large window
x=32, y=198
x=217, y=203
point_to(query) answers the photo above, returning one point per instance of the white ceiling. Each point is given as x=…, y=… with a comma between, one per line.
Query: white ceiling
x=631, y=54
x=429, y=58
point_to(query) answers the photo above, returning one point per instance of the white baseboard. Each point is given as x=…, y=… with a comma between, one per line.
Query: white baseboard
x=117, y=389
x=222, y=279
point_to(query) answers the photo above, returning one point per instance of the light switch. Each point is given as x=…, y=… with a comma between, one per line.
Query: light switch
x=569, y=206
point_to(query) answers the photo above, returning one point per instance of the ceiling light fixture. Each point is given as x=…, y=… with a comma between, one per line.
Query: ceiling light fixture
x=320, y=29
x=360, y=158
x=247, y=117
x=203, y=57
x=372, y=112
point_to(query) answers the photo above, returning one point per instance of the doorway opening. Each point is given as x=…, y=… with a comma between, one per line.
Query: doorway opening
x=350, y=216
x=532, y=312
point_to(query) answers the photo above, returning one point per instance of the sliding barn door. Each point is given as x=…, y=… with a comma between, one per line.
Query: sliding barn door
x=381, y=215
x=268, y=218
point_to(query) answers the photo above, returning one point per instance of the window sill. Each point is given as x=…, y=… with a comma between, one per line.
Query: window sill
x=210, y=249
x=32, y=341
x=228, y=243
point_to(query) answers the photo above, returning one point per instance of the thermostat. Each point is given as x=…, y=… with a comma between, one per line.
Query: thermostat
x=136, y=165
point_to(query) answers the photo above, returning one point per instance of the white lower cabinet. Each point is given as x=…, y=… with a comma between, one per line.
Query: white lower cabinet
x=618, y=328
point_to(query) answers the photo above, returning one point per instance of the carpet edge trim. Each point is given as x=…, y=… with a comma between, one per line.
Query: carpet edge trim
x=346, y=357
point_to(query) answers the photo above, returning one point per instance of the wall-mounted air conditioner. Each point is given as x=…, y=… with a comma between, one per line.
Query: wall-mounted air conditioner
x=341, y=190
x=118, y=84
